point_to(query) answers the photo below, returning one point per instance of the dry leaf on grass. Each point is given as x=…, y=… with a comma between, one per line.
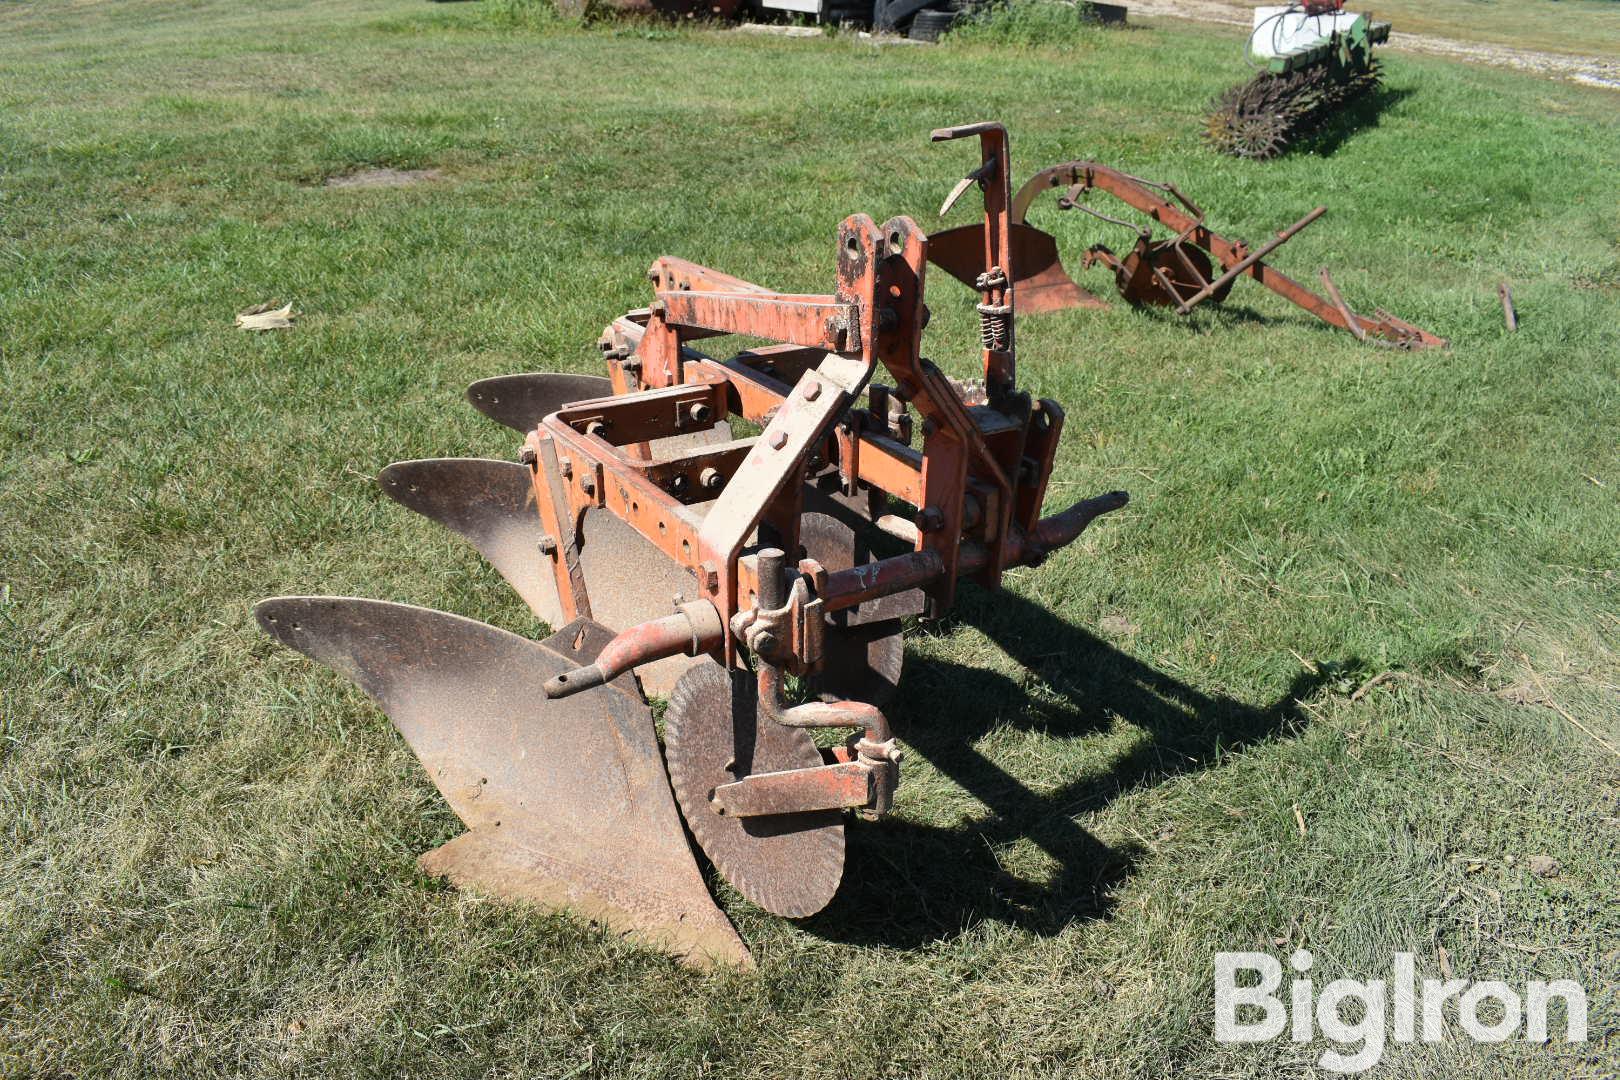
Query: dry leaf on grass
x=265, y=317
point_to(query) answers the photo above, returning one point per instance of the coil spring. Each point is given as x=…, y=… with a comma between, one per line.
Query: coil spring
x=995, y=326
x=995, y=320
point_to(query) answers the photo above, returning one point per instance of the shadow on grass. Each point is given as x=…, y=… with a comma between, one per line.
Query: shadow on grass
x=1357, y=116
x=908, y=883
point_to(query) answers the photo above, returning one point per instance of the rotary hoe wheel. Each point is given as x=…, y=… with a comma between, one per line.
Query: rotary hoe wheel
x=1261, y=118
x=1256, y=120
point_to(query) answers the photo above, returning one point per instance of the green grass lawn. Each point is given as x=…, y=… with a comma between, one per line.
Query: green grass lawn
x=1148, y=750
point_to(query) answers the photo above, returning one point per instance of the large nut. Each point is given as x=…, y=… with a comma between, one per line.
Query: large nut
x=764, y=643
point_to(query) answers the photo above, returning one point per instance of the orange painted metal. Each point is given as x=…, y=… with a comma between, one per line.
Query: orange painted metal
x=786, y=552
x=728, y=511
x=979, y=477
x=1173, y=271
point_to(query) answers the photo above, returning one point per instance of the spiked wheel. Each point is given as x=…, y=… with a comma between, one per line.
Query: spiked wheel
x=1253, y=120
x=1257, y=136
x=788, y=864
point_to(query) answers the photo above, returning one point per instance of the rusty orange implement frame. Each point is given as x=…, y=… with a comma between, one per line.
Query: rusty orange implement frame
x=977, y=481
x=1175, y=271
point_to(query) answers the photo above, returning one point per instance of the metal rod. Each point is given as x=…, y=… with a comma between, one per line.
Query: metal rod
x=770, y=566
x=1249, y=260
x=1351, y=323
x=1511, y=316
x=693, y=630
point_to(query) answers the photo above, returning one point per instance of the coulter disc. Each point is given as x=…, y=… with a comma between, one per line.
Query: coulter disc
x=788, y=864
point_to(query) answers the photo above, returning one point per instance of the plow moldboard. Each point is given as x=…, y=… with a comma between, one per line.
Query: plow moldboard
x=566, y=801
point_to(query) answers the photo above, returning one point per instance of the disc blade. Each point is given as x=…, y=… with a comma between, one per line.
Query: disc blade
x=490, y=504
x=567, y=801
x=788, y=864
x=522, y=401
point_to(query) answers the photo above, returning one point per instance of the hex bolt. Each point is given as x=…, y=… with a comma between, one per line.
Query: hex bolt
x=812, y=390
x=711, y=479
x=527, y=456
x=679, y=483
x=777, y=440
x=587, y=485
x=548, y=545
x=765, y=644
x=699, y=412
x=596, y=427
x=931, y=519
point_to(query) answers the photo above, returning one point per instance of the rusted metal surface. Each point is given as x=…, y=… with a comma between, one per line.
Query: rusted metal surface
x=491, y=505
x=1192, y=265
x=694, y=629
x=862, y=652
x=1043, y=283
x=634, y=517
x=841, y=786
x=522, y=401
x=631, y=582
x=565, y=802
x=788, y=863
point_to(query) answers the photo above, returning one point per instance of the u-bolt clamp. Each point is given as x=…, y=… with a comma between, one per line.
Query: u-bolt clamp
x=874, y=747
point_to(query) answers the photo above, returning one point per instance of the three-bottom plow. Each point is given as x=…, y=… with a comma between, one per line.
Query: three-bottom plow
x=711, y=568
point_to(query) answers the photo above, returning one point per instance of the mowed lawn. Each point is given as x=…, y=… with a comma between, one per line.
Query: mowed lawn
x=1343, y=676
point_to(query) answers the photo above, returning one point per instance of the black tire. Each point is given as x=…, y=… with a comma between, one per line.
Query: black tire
x=930, y=23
